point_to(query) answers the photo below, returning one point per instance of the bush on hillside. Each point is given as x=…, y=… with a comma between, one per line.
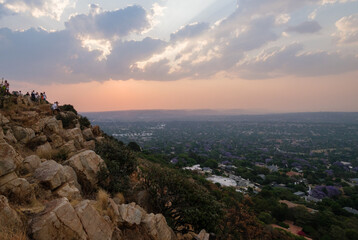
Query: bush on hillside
x=84, y=122
x=68, y=107
x=120, y=162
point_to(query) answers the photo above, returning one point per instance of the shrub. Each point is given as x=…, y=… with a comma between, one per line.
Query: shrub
x=134, y=147
x=102, y=199
x=84, y=122
x=67, y=120
x=120, y=162
x=68, y=107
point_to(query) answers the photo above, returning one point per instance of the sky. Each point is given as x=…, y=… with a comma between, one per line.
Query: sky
x=255, y=55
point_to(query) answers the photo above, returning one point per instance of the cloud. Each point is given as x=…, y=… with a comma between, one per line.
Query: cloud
x=347, y=30
x=189, y=31
x=104, y=45
x=293, y=60
x=109, y=24
x=305, y=27
x=39, y=8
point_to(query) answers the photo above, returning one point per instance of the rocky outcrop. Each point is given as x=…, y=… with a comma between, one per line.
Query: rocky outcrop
x=69, y=190
x=88, y=134
x=23, y=135
x=59, y=221
x=52, y=125
x=44, y=150
x=18, y=190
x=9, y=219
x=96, y=227
x=50, y=174
x=8, y=159
x=130, y=214
x=31, y=163
x=86, y=164
x=157, y=227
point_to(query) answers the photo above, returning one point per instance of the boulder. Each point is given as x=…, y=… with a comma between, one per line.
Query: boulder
x=59, y=221
x=69, y=147
x=88, y=134
x=157, y=227
x=90, y=145
x=203, y=235
x=18, y=190
x=9, y=219
x=3, y=120
x=9, y=159
x=71, y=176
x=70, y=191
x=9, y=136
x=130, y=214
x=37, y=141
x=86, y=165
x=23, y=135
x=44, y=150
x=56, y=140
x=31, y=163
x=7, y=178
x=40, y=124
x=53, y=125
x=50, y=174
x=96, y=227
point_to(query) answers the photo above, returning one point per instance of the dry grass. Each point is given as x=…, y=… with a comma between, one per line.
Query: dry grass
x=7, y=234
x=102, y=199
x=119, y=198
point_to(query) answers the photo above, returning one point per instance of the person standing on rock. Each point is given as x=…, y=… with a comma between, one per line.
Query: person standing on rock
x=54, y=108
x=7, y=87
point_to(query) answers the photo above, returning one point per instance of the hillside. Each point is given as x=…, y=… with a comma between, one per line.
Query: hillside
x=61, y=178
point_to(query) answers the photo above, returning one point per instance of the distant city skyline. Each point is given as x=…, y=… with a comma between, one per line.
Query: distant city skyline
x=255, y=55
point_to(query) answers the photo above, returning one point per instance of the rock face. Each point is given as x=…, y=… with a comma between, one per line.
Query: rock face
x=70, y=191
x=8, y=157
x=130, y=214
x=18, y=190
x=86, y=165
x=9, y=219
x=23, y=135
x=31, y=163
x=157, y=227
x=94, y=224
x=50, y=174
x=59, y=221
x=88, y=134
x=53, y=125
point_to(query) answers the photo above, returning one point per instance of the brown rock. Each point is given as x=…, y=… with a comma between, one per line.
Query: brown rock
x=9, y=136
x=59, y=221
x=69, y=147
x=71, y=176
x=88, y=134
x=9, y=219
x=70, y=191
x=3, y=120
x=31, y=163
x=130, y=214
x=9, y=158
x=56, y=140
x=94, y=224
x=18, y=190
x=23, y=135
x=157, y=227
x=73, y=134
x=44, y=150
x=86, y=165
x=53, y=126
x=50, y=174
x=7, y=178
x=90, y=145
x=203, y=235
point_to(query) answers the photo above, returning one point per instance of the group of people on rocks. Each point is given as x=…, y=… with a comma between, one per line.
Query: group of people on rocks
x=34, y=96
